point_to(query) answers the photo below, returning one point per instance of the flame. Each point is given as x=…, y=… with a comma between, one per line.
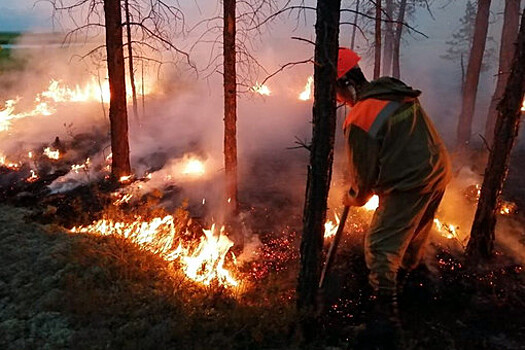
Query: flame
x=207, y=261
x=372, y=203
x=306, y=94
x=523, y=106
x=58, y=92
x=193, y=167
x=261, y=89
x=507, y=208
x=203, y=264
x=122, y=198
x=8, y=164
x=330, y=228
x=84, y=166
x=51, y=153
x=124, y=179
x=447, y=231
x=33, y=177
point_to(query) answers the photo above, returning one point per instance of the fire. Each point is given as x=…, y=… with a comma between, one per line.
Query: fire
x=306, y=94
x=523, y=106
x=372, y=203
x=33, y=177
x=330, y=228
x=121, y=199
x=58, y=92
x=261, y=89
x=447, y=231
x=193, y=167
x=8, y=164
x=78, y=167
x=507, y=208
x=202, y=264
x=124, y=179
x=51, y=153
x=207, y=261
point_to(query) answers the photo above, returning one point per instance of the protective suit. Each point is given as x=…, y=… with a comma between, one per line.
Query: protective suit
x=395, y=152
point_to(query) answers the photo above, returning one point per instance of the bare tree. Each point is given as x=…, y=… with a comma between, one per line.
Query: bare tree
x=130, y=61
x=481, y=243
x=321, y=157
x=230, y=102
x=118, y=114
x=464, y=129
x=389, y=38
x=377, y=41
x=352, y=44
x=396, y=69
x=509, y=33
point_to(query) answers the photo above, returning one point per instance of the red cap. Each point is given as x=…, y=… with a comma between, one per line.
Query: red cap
x=347, y=60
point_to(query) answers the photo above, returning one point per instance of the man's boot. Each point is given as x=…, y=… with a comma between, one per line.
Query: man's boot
x=383, y=328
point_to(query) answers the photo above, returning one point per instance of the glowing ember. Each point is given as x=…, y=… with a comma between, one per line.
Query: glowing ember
x=193, y=167
x=507, y=208
x=51, y=153
x=261, y=89
x=206, y=264
x=202, y=264
x=306, y=94
x=372, y=203
x=122, y=199
x=33, y=177
x=330, y=228
x=124, y=179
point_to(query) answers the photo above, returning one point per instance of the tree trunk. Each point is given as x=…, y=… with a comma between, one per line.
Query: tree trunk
x=511, y=22
x=321, y=157
x=473, y=70
x=230, y=105
x=481, y=244
x=377, y=44
x=389, y=38
x=354, y=29
x=130, y=62
x=118, y=115
x=396, y=70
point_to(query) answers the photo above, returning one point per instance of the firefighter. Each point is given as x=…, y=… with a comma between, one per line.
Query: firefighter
x=393, y=151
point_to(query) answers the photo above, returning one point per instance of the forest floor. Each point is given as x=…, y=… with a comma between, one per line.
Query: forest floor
x=60, y=290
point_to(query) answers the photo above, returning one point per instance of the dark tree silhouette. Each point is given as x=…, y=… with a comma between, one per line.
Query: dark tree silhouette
x=481, y=244
x=509, y=33
x=470, y=90
x=118, y=114
x=321, y=157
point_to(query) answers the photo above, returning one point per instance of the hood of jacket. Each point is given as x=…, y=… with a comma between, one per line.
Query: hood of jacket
x=387, y=88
